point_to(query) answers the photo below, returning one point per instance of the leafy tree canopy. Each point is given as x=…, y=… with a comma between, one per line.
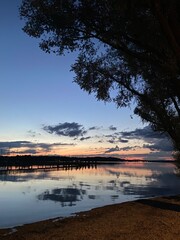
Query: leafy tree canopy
x=128, y=50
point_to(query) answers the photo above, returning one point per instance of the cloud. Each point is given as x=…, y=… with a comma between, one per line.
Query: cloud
x=29, y=147
x=160, y=145
x=14, y=144
x=112, y=141
x=110, y=136
x=94, y=128
x=32, y=133
x=112, y=128
x=154, y=141
x=142, y=133
x=163, y=155
x=84, y=138
x=48, y=146
x=28, y=151
x=123, y=140
x=115, y=139
x=147, y=156
x=66, y=129
x=116, y=149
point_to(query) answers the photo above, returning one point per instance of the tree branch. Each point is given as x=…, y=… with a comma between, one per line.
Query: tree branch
x=176, y=105
x=166, y=28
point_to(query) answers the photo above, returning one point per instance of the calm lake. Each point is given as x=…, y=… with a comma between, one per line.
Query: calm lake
x=27, y=197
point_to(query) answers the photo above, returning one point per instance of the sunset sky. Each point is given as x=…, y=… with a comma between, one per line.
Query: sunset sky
x=44, y=112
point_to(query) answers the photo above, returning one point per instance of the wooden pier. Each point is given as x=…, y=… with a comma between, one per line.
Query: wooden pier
x=29, y=163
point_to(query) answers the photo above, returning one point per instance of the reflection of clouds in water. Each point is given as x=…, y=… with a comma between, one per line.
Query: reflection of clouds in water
x=93, y=197
x=114, y=197
x=141, y=174
x=143, y=191
x=78, y=190
x=84, y=184
x=124, y=183
x=139, y=169
x=63, y=195
x=144, y=179
x=28, y=176
x=130, y=172
x=162, y=184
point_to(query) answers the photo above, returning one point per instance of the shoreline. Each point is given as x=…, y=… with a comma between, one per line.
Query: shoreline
x=152, y=218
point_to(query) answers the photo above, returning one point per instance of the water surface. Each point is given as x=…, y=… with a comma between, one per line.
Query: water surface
x=26, y=197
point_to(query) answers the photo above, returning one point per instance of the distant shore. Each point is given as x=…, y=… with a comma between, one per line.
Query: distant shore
x=30, y=163
x=29, y=160
x=146, y=219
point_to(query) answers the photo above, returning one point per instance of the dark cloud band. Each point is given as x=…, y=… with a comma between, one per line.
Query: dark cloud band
x=27, y=147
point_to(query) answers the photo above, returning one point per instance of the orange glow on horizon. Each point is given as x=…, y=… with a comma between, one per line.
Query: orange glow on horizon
x=84, y=151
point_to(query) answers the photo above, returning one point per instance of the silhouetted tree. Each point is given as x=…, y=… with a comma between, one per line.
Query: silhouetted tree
x=128, y=51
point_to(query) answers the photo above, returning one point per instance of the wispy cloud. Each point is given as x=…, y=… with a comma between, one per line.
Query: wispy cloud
x=115, y=139
x=154, y=141
x=33, y=134
x=117, y=149
x=25, y=152
x=14, y=144
x=94, y=128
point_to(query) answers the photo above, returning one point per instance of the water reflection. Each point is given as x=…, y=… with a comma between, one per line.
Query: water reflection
x=33, y=196
x=63, y=195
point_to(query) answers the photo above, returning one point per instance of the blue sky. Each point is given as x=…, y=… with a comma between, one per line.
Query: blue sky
x=41, y=106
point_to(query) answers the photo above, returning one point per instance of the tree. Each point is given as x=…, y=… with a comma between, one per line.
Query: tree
x=128, y=51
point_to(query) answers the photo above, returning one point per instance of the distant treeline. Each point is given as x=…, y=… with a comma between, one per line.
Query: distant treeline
x=29, y=160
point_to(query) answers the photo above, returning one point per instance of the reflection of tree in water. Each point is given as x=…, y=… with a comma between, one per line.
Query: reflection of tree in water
x=63, y=195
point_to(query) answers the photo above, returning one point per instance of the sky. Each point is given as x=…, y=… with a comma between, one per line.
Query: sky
x=44, y=113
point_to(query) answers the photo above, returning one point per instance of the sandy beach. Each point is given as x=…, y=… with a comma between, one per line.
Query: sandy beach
x=151, y=219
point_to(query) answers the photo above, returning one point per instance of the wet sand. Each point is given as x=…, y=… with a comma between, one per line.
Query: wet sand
x=147, y=219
